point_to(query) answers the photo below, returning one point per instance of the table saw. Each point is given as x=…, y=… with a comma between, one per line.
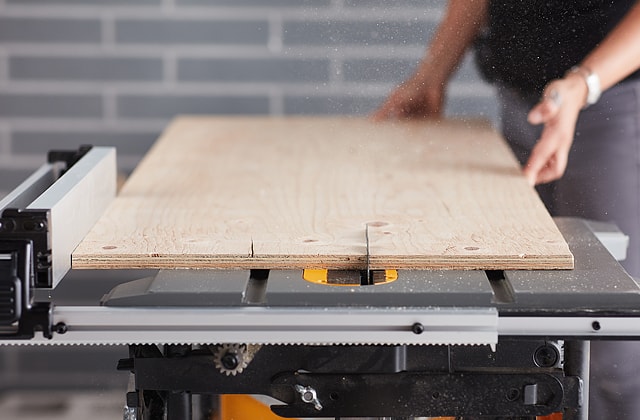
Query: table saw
x=337, y=276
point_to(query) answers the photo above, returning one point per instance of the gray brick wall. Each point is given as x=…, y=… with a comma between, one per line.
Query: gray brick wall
x=114, y=72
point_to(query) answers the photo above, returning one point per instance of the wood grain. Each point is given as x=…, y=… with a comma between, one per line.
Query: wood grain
x=299, y=192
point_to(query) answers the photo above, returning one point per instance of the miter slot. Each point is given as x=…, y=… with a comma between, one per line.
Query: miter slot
x=255, y=291
x=502, y=288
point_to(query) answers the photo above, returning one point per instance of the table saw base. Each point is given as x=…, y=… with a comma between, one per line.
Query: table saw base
x=522, y=378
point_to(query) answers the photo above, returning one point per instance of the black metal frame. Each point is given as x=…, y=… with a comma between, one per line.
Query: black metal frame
x=523, y=378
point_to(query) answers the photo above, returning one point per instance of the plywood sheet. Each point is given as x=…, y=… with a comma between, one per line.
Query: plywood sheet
x=300, y=192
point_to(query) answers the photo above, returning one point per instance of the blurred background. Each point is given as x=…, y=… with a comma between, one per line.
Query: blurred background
x=115, y=72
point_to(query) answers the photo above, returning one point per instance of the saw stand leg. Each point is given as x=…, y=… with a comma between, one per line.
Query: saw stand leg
x=178, y=402
x=577, y=358
x=151, y=404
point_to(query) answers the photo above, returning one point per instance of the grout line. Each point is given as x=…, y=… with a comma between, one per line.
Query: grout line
x=108, y=30
x=477, y=89
x=5, y=140
x=75, y=125
x=335, y=71
x=170, y=69
x=109, y=104
x=275, y=43
x=167, y=8
x=376, y=51
x=276, y=102
x=4, y=67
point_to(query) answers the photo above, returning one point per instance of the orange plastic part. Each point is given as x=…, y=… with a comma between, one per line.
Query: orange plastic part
x=244, y=407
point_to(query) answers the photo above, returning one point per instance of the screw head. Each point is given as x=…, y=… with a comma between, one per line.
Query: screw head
x=546, y=356
x=61, y=328
x=417, y=328
x=513, y=394
x=230, y=361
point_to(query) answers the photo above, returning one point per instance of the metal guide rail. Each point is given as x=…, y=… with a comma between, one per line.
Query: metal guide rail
x=311, y=326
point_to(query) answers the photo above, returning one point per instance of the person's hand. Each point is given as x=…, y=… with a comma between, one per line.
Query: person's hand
x=558, y=110
x=418, y=97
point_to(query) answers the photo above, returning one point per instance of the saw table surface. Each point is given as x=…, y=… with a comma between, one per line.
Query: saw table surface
x=283, y=193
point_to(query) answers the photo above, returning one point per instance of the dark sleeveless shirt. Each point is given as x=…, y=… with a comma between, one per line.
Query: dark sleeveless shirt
x=530, y=42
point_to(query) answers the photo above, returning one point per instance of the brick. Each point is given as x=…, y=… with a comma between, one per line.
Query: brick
x=378, y=70
x=165, y=107
x=172, y=31
x=127, y=143
x=330, y=105
x=385, y=70
x=85, y=2
x=86, y=68
x=79, y=31
x=50, y=106
x=258, y=3
x=365, y=33
x=476, y=107
x=253, y=70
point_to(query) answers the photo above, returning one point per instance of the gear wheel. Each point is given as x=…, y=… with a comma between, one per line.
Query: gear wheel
x=231, y=359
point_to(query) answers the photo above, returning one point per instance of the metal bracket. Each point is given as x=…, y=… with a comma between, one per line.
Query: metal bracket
x=30, y=226
x=68, y=157
x=15, y=279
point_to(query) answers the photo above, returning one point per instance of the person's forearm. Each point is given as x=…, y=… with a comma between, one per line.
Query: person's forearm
x=456, y=32
x=619, y=54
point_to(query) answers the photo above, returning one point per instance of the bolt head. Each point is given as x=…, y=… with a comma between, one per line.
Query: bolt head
x=230, y=361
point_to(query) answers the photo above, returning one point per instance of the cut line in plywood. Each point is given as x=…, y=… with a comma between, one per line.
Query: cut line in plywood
x=289, y=193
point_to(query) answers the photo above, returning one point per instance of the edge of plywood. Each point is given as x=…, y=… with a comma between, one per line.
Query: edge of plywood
x=337, y=262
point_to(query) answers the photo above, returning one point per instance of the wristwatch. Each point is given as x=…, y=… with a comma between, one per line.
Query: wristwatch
x=593, y=83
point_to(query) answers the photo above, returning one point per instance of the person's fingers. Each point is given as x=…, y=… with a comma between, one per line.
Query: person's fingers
x=381, y=114
x=538, y=160
x=553, y=170
x=547, y=108
x=407, y=102
x=387, y=110
x=549, y=157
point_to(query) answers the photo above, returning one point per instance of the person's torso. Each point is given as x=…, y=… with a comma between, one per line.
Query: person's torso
x=530, y=42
